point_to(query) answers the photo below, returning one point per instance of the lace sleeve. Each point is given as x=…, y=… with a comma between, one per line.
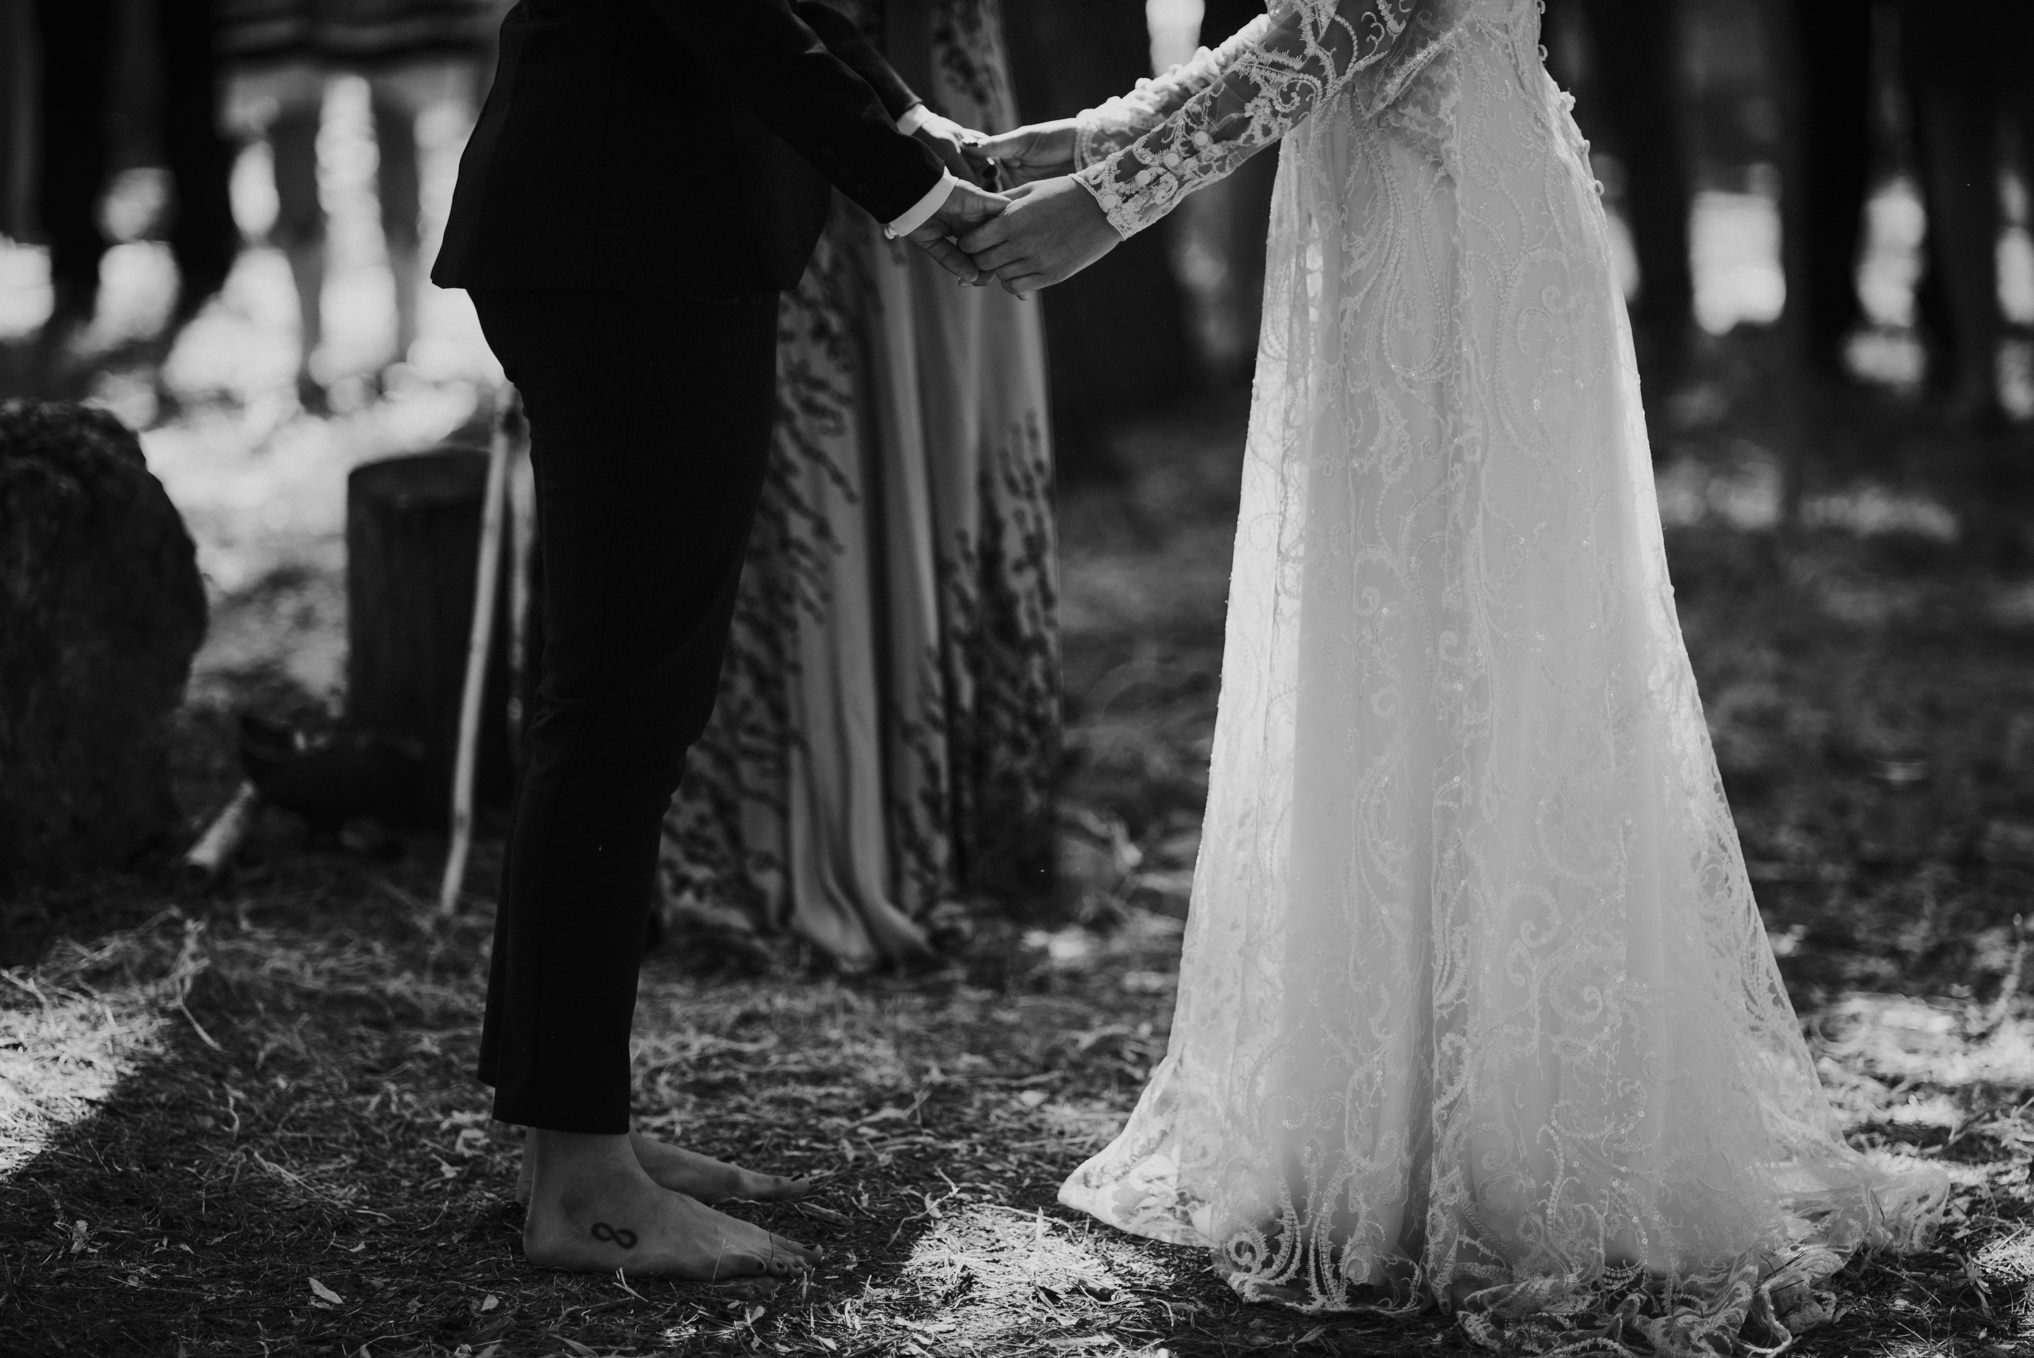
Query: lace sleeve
x=1106, y=130
x=1256, y=87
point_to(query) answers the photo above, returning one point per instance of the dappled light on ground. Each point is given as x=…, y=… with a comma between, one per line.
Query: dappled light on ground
x=1905, y=1039
x=68, y=1038
x=257, y=499
x=997, y=1273
x=1747, y=495
x=1869, y=682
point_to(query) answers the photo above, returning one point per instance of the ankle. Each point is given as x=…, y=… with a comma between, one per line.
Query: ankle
x=559, y=1160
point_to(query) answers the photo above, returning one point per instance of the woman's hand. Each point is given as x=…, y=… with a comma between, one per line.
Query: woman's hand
x=1047, y=233
x=1038, y=151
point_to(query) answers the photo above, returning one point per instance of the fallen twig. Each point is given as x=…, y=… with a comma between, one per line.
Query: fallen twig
x=208, y=858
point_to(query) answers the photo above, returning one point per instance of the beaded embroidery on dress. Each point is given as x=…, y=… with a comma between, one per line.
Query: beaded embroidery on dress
x=1475, y=1005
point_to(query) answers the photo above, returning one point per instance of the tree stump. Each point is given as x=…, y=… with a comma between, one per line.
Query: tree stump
x=101, y=610
x=412, y=548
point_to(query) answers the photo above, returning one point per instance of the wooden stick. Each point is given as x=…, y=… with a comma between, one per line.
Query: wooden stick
x=208, y=858
x=480, y=640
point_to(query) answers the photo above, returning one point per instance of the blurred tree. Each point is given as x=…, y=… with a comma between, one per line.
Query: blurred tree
x=1828, y=168
x=17, y=128
x=1957, y=96
x=1632, y=102
x=1117, y=335
x=1831, y=87
x=1964, y=63
x=126, y=83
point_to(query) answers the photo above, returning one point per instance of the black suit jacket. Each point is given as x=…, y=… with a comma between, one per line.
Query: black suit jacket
x=676, y=148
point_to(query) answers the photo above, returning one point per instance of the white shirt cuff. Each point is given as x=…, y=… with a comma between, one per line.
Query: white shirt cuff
x=921, y=211
x=915, y=117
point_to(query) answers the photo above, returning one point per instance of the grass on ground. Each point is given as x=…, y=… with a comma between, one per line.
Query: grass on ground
x=244, y=1123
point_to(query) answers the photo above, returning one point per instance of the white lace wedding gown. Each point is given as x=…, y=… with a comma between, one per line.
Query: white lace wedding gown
x=1476, y=1005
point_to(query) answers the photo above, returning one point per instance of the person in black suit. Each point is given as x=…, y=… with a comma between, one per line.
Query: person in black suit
x=645, y=177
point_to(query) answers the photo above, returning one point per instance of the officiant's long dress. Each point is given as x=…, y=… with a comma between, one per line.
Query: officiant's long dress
x=1475, y=1005
x=888, y=718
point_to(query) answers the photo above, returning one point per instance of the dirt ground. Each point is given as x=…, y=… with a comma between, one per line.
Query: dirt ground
x=242, y=1121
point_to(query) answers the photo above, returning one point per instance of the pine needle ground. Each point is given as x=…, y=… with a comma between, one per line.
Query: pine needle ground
x=244, y=1122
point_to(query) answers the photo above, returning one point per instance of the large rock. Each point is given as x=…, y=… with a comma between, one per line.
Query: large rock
x=101, y=610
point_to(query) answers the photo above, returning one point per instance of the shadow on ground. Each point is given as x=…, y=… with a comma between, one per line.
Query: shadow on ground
x=243, y=1122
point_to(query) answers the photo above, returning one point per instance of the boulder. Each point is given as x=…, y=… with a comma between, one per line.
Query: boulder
x=101, y=610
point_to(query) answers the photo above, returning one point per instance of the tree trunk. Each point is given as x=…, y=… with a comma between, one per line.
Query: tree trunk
x=1117, y=335
x=412, y=550
x=1632, y=102
x=1825, y=172
x=18, y=73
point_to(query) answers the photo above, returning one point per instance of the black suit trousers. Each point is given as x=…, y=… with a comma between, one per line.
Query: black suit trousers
x=650, y=428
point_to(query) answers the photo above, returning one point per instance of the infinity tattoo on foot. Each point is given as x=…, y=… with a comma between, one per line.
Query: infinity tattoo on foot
x=614, y=1235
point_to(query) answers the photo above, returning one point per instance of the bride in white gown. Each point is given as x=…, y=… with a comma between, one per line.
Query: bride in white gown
x=1475, y=1005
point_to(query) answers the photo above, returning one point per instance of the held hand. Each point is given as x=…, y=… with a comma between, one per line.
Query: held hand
x=1029, y=153
x=950, y=142
x=1050, y=232
x=965, y=209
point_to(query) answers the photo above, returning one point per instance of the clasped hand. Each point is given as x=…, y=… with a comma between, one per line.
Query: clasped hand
x=1043, y=231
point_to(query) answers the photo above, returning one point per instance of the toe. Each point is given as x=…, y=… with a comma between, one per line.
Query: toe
x=775, y=1257
x=807, y=1254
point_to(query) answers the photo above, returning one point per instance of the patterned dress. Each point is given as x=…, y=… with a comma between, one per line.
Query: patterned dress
x=1475, y=1004
x=888, y=720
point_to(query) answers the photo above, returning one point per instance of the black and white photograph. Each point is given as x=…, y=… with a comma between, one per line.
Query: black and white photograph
x=1007, y=678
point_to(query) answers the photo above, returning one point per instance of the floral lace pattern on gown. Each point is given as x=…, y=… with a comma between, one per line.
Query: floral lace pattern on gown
x=1475, y=1005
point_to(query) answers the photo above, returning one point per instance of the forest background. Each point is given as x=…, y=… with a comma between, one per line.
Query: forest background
x=241, y=1120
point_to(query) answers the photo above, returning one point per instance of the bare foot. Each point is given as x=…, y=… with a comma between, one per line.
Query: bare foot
x=689, y=1172
x=593, y=1209
x=708, y=1179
